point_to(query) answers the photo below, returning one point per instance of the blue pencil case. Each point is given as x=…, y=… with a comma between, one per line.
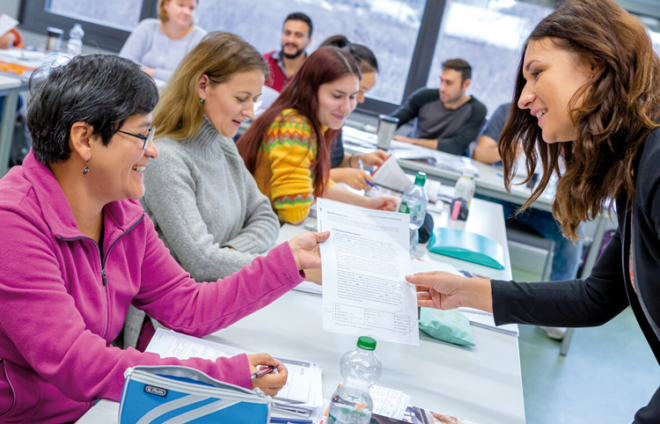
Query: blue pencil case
x=158, y=394
x=467, y=246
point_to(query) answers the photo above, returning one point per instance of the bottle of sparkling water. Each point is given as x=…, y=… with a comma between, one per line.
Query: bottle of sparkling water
x=361, y=368
x=74, y=46
x=414, y=202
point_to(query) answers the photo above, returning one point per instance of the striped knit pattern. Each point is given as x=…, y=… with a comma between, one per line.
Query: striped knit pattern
x=285, y=165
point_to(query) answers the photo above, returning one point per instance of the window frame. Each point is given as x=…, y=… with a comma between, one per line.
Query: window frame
x=641, y=7
x=34, y=17
x=420, y=63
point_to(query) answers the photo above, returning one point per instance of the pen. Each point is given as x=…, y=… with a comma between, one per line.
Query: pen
x=372, y=185
x=360, y=164
x=263, y=371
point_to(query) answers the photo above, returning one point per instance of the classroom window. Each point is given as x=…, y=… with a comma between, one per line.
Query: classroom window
x=388, y=27
x=120, y=14
x=489, y=35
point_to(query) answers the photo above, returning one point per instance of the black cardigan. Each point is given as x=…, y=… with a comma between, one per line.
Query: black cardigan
x=607, y=292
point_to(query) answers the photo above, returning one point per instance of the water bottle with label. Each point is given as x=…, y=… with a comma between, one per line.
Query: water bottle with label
x=361, y=368
x=414, y=202
x=74, y=46
x=465, y=185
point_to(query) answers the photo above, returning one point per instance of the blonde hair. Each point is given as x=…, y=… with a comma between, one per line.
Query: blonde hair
x=220, y=55
x=162, y=13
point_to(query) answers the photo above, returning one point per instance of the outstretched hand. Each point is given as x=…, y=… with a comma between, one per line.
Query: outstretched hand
x=383, y=203
x=306, y=251
x=442, y=290
x=437, y=289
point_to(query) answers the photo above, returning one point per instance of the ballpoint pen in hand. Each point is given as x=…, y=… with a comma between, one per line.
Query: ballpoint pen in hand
x=265, y=370
x=372, y=185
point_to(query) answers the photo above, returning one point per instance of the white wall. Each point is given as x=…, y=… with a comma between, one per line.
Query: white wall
x=10, y=7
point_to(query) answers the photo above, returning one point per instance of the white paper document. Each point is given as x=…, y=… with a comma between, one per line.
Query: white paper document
x=390, y=175
x=303, y=384
x=388, y=402
x=365, y=262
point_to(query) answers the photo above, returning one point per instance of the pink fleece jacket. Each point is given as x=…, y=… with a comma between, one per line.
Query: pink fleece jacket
x=61, y=304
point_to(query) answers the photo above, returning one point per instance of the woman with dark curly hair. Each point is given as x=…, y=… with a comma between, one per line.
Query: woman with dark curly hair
x=587, y=89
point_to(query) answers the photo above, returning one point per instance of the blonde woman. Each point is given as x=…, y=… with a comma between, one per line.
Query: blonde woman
x=159, y=45
x=205, y=205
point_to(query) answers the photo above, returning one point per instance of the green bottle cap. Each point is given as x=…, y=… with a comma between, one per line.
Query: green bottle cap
x=420, y=179
x=366, y=343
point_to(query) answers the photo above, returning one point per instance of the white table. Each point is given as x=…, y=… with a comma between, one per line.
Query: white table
x=9, y=87
x=482, y=384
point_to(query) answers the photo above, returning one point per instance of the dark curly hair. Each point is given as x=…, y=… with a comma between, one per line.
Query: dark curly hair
x=621, y=104
x=101, y=90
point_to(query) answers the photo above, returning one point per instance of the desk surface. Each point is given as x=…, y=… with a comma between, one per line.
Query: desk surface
x=8, y=82
x=489, y=182
x=482, y=384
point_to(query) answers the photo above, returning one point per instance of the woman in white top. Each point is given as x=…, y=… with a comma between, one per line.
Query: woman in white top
x=158, y=45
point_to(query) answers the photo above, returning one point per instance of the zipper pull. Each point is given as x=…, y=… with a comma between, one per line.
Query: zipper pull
x=105, y=280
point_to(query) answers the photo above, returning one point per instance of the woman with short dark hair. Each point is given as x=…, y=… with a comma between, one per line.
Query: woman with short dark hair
x=77, y=250
x=587, y=89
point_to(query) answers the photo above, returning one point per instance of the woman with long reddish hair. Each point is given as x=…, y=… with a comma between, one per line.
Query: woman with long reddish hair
x=587, y=89
x=287, y=148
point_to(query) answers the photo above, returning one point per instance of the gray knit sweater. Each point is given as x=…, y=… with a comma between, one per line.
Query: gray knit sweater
x=202, y=201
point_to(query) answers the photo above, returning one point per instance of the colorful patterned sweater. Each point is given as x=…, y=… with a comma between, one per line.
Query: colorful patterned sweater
x=285, y=163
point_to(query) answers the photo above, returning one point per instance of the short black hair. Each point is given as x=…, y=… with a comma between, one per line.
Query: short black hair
x=101, y=90
x=459, y=65
x=362, y=54
x=299, y=16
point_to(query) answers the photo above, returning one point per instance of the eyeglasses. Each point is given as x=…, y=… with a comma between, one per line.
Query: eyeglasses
x=146, y=138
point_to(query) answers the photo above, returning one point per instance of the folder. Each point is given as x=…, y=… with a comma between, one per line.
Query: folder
x=467, y=246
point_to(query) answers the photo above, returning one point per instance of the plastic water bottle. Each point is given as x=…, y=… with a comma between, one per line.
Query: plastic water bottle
x=414, y=202
x=465, y=185
x=74, y=46
x=361, y=368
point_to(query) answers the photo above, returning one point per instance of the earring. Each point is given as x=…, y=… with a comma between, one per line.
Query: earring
x=201, y=100
x=86, y=170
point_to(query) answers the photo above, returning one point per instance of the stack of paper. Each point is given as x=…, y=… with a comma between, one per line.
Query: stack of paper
x=358, y=138
x=301, y=397
x=388, y=402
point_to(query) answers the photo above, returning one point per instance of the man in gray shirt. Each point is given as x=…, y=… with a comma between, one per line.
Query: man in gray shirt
x=447, y=119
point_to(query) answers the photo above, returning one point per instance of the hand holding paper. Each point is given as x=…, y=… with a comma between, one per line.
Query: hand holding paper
x=305, y=249
x=442, y=290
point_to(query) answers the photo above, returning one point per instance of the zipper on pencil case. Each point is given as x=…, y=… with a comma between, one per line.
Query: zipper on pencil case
x=198, y=389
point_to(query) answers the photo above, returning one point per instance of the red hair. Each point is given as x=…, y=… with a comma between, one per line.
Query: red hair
x=325, y=65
